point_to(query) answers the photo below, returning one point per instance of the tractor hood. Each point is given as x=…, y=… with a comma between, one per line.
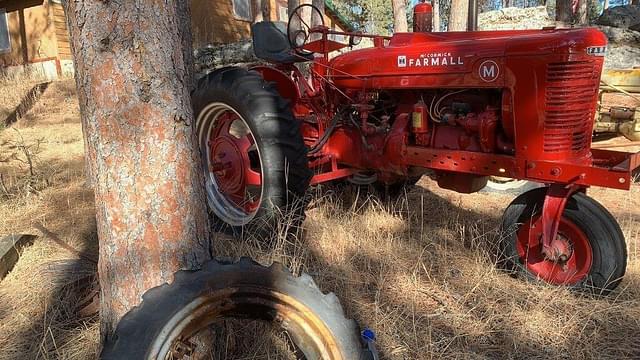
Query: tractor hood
x=459, y=59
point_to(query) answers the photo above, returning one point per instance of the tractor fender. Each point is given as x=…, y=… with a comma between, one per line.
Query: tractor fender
x=286, y=87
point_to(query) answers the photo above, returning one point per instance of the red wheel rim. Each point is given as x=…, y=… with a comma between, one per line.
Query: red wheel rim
x=529, y=247
x=234, y=162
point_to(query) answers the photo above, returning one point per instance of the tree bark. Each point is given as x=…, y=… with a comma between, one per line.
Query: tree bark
x=436, y=15
x=133, y=72
x=459, y=15
x=605, y=6
x=258, y=14
x=292, y=5
x=399, y=16
x=317, y=20
x=582, y=14
x=564, y=12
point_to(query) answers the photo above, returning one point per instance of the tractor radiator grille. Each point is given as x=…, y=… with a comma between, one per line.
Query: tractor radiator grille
x=571, y=92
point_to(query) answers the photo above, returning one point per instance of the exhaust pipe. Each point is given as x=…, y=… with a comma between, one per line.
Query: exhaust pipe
x=472, y=23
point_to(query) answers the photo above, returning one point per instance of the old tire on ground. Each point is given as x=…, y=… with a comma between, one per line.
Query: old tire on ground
x=253, y=155
x=246, y=290
x=599, y=254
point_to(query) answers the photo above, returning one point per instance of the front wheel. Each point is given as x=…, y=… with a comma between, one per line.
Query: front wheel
x=598, y=256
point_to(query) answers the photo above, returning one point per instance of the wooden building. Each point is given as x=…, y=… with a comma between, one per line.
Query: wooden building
x=34, y=36
x=216, y=22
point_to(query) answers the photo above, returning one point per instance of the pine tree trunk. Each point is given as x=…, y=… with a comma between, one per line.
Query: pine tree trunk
x=317, y=20
x=292, y=5
x=258, y=14
x=133, y=72
x=436, y=15
x=399, y=16
x=582, y=15
x=459, y=15
x=564, y=12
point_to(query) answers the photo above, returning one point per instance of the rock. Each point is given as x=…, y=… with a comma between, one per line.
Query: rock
x=514, y=18
x=211, y=57
x=624, y=17
x=621, y=36
x=624, y=43
x=623, y=51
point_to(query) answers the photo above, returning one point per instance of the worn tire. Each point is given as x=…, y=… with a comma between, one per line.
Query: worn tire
x=609, y=251
x=246, y=290
x=283, y=155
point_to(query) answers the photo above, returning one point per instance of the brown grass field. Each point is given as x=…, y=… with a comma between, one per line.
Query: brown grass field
x=418, y=271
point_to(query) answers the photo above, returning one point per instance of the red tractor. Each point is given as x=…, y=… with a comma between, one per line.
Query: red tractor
x=463, y=106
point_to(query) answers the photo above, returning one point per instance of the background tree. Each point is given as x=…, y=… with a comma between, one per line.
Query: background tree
x=261, y=10
x=317, y=20
x=436, y=15
x=133, y=73
x=564, y=12
x=459, y=15
x=292, y=5
x=582, y=12
x=399, y=16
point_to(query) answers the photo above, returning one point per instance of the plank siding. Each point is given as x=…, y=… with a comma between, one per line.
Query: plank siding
x=213, y=22
x=62, y=33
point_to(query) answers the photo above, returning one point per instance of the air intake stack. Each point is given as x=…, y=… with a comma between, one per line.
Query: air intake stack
x=423, y=17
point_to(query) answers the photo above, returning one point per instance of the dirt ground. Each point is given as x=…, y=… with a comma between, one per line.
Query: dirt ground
x=418, y=271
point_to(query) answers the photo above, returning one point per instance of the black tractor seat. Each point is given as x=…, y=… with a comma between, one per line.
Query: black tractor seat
x=271, y=44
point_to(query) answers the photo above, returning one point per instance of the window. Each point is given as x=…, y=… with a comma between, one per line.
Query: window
x=5, y=41
x=283, y=13
x=242, y=9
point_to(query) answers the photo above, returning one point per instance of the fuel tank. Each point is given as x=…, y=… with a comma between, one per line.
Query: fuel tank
x=461, y=59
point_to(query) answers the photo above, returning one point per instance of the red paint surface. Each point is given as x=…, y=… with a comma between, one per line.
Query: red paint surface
x=575, y=269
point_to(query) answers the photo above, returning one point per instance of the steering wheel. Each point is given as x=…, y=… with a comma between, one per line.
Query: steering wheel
x=300, y=25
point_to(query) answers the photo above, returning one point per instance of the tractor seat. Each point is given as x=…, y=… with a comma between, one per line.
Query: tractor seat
x=271, y=44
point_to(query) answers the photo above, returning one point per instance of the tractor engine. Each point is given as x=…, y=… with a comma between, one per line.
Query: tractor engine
x=527, y=95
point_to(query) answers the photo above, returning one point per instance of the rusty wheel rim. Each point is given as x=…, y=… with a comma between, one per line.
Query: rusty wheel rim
x=306, y=329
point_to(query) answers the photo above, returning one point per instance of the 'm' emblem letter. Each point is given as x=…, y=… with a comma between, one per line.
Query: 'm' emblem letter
x=489, y=71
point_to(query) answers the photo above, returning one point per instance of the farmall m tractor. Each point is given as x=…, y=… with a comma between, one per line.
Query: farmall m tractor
x=463, y=106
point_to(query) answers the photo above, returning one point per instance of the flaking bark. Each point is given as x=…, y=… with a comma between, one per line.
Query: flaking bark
x=134, y=73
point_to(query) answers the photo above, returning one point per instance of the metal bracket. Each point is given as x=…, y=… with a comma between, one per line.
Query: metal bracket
x=555, y=200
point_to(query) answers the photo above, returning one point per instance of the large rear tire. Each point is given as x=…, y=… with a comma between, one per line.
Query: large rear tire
x=253, y=155
x=170, y=314
x=599, y=254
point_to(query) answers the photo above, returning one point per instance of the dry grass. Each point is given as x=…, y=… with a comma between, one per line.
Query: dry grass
x=418, y=271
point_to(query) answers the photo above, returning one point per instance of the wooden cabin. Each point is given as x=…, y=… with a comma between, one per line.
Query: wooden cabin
x=34, y=37
x=215, y=22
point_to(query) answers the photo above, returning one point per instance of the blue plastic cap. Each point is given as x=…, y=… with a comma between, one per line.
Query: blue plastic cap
x=368, y=335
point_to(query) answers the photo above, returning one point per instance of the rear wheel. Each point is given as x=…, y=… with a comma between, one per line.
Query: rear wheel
x=598, y=251
x=253, y=156
x=164, y=325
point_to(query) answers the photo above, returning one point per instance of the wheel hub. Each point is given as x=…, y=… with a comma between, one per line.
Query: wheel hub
x=568, y=259
x=228, y=164
x=234, y=166
x=559, y=251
